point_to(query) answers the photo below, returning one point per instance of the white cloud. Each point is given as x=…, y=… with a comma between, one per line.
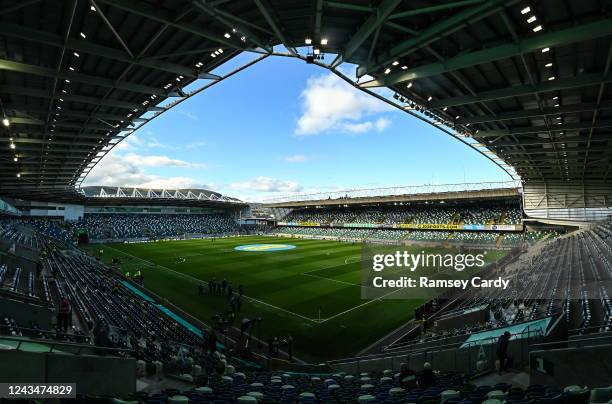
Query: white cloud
x=197, y=145
x=154, y=143
x=297, y=158
x=174, y=183
x=188, y=114
x=134, y=141
x=329, y=103
x=157, y=161
x=378, y=125
x=127, y=171
x=267, y=184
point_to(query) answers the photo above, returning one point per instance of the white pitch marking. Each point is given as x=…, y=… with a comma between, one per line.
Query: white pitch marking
x=359, y=306
x=332, y=280
x=329, y=267
x=202, y=281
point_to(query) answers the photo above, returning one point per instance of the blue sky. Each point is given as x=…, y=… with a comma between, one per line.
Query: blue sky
x=282, y=127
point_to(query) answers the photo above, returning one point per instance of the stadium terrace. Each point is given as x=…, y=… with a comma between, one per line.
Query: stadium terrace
x=134, y=294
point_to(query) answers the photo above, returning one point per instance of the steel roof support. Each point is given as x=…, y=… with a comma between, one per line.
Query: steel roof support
x=433, y=9
x=79, y=77
x=533, y=113
x=274, y=23
x=517, y=91
x=48, y=38
x=218, y=16
x=372, y=23
x=600, y=94
x=561, y=37
x=540, y=129
x=159, y=15
x=435, y=32
x=31, y=92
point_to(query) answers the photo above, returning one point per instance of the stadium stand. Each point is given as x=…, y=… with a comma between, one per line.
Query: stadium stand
x=127, y=226
x=545, y=285
x=106, y=310
x=404, y=214
x=333, y=222
x=367, y=387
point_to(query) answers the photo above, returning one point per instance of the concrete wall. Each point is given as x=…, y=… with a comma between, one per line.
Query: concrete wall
x=93, y=375
x=469, y=360
x=587, y=366
x=24, y=312
x=16, y=261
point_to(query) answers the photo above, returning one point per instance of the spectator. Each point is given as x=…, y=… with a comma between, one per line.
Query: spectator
x=39, y=268
x=212, y=341
x=290, y=347
x=63, y=315
x=407, y=377
x=502, y=351
x=426, y=378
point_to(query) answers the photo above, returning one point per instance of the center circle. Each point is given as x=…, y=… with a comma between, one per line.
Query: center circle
x=264, y=247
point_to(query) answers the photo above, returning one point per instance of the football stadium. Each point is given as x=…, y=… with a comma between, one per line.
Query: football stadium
x=139, y=265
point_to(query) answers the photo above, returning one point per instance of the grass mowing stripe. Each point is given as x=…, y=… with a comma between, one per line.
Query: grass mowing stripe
x=348, y=323
x=197, y=281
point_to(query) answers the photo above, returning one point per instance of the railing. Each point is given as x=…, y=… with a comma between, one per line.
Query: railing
x=437, y=347
x=71, y=348
x=471, y=360
x=606, y=339
x=28, y=330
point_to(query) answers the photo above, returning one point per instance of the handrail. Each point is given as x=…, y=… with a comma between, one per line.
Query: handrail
x=17, y=294
x=436, y=347
x=38, y=330
x=594, y=327
x=54, y=344
x=572, y=341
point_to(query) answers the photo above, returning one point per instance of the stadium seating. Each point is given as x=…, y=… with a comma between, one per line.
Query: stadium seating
x=404, y=214
x=463, y=237
x=126, y=226
x=371, y=387
x=546, y=280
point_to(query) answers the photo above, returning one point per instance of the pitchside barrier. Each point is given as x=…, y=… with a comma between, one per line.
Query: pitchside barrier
x=583, y=361
x=187, y=236
x=41, y=361
x=24, y=310
x=411, y=226
x=478, y=357
x=415, y=243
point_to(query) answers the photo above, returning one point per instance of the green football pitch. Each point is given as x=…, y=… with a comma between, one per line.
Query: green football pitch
x=311, y=292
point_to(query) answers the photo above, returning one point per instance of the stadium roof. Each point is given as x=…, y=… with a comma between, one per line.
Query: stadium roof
x=523, y=82
x=497, y=192
x=191, y=194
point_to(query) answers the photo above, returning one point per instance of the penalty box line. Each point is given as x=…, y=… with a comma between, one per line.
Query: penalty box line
x=359, y=306
x=309, y=273
x=331, y=266
x=196, y=280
